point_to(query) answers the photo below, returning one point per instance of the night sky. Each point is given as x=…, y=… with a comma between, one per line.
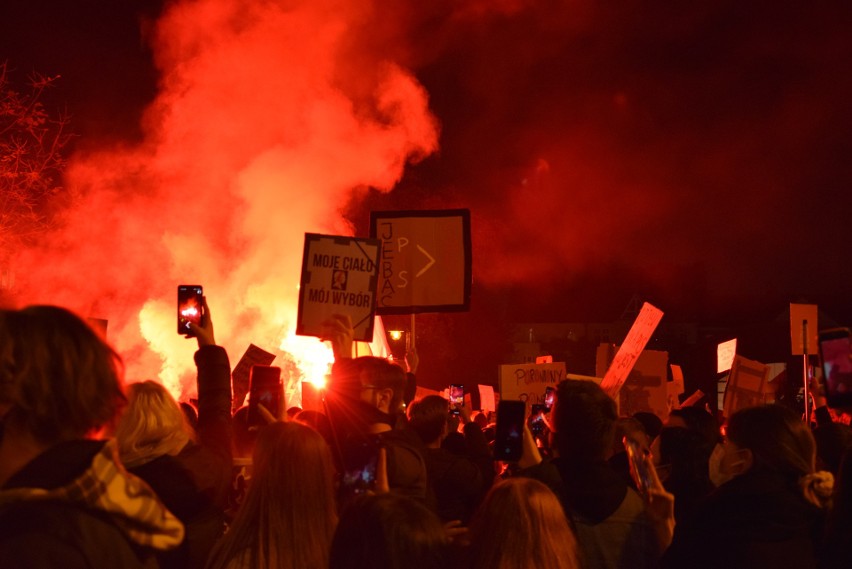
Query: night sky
x=696, y=154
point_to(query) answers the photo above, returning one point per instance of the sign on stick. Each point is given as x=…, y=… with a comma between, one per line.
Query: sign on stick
x=637, y=338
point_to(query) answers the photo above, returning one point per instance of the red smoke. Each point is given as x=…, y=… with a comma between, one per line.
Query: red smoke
x=261, y=131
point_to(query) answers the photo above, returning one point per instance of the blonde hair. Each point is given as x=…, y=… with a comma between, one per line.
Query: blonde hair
x=521, y=524
x=153, y=425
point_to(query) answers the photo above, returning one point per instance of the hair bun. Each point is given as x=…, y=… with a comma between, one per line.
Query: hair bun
x=817, y=487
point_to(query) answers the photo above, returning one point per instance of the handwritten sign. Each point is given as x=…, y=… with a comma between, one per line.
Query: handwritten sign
x=240, y=376
x=425, y=260
x=339, y=276
x=803, y=317
x=486, y=398
x=527, y=382
x=725, y=353
x=748, y=385
x=637, y=338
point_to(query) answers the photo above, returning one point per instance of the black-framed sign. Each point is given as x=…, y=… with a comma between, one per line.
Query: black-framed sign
x=339, y=276
x=425, y=263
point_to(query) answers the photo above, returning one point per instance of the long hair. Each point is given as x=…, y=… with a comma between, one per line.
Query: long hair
x=153, y=425
x=521, y=525
x=59, y=379
x=388, y=531
x=288, y=517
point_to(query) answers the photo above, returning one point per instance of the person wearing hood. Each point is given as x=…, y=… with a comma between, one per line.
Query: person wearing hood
x=65, y=499
x=365, y=400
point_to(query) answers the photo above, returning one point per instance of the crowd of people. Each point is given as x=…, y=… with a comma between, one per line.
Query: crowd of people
x=94, y=473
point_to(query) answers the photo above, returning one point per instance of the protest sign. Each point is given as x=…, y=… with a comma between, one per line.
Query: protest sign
x=425, y=260
x=577, y=377
x=240, y=376
x=486, y=398
x=748, y=385
x=725, y=353
x=339, y=276
x=675, y=386
x=803, y=317
x=646, y=386
x=527, y=382
x=544, y=360
x=637, y=338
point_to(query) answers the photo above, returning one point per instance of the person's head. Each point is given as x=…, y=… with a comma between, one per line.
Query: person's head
x=59, y=380
x=382, y=383
x=428, y=418
x=699, y=420
x=481, y=419
x=288, y=516
x=153, y=425
x=388, y=531
x=771, y=438
x=584, y=419
x=521, y=524
x=651, y=424
x=244, y=438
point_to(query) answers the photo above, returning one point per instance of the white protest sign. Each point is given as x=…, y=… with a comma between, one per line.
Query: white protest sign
x=803, y=317
x=640, y=333
x=527, y=382
x=725, y=353
x=486, y=398
x=748, y=385
x=339, y=276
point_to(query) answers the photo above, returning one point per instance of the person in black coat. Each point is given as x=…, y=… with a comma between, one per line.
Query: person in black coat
x=189, y=472
x=769, y=511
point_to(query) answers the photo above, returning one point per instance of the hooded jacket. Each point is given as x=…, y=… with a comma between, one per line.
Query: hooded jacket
x=75, y=506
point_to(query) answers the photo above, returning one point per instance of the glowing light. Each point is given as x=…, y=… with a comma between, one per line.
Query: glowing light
x=395, y=335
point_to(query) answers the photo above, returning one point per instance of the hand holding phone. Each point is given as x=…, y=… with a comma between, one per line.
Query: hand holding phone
x=456, y=398
x=835, y=350
x=190, y=308
x=508, y=442
x=639, y=468
x=549, y=393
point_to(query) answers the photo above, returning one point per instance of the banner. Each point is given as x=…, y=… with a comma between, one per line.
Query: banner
x=338, y=277
x=527, y=382
x=636, y=340
x=425, y=260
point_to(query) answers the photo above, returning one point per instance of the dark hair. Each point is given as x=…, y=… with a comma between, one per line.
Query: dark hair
x=60, y=379
x=832, y=440
x=521, y=524
x=384, y=375
x=776, y=437
x=288, y=516
x=585, y=419
x=428, y=417
x=388, y=531
x=651, y=424
x=702, y=422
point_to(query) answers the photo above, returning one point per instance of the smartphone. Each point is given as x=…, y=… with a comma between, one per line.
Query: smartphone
x=549, y=392
x=508, y=442
x=537, y=425
x=456, y=398
x=360, y=464
x=264, y=388
x=639, y=469
x=835, y=353
x=189, y=305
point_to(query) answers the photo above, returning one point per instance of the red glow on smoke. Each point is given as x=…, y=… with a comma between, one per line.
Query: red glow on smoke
x=255, y=138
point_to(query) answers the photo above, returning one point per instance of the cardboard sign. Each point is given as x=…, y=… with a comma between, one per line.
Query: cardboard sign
x=577, y=377
x=677, y=386
x=544, y=360
x=240, y=376
x=486, y=398
x=339, y=276
x=640, y=333
x=527, y=382
x=725, y=353
x=748, y=385
x=646, y=387
x=803, y=317
x=425, y=260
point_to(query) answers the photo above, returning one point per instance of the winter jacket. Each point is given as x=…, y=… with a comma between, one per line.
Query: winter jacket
x=75, y=506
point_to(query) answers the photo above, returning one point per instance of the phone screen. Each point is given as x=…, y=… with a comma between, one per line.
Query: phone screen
x=189, y=305
x=508, y=442
x=548, y=398
x=456, y=398
x=537, y=425
x=360, y=463
x=638, y=467
x=264, y=388
x=835, y=350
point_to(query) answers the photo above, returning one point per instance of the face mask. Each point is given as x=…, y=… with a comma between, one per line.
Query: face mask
x=717, y=476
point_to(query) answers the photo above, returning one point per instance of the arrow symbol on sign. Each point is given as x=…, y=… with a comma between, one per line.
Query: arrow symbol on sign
x=428, y=265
